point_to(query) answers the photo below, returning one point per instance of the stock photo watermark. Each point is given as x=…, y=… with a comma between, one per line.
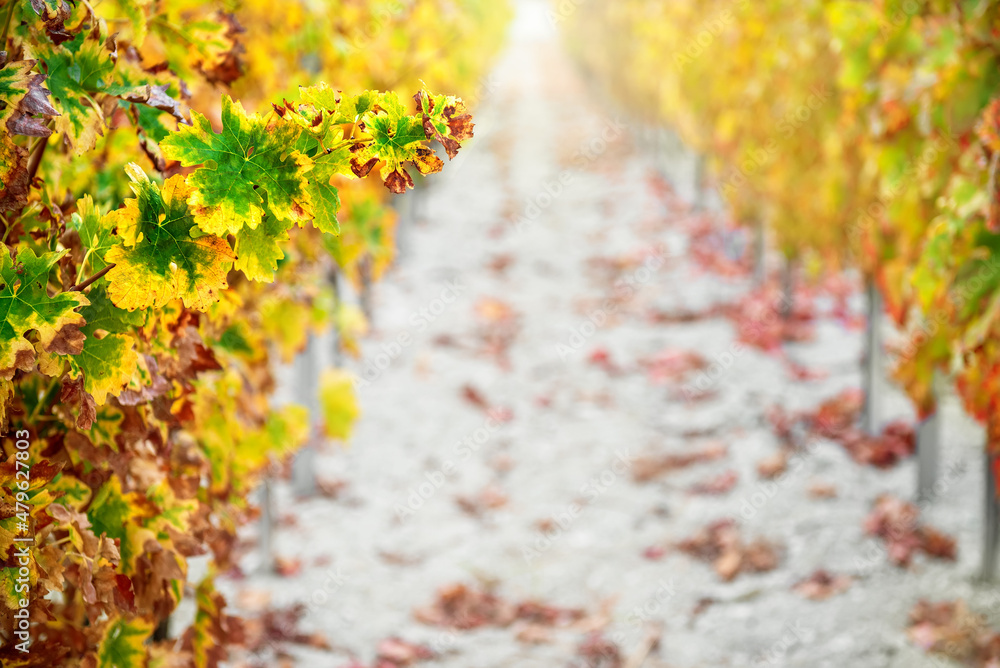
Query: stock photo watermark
x=624, y=290
x=434, y=480
x=375, y=365
x=596, y=487
x=551, y=190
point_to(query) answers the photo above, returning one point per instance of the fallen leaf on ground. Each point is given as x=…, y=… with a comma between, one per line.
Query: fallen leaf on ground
x=822, y=490
x=500, y=263
x=397, y=652
x=462, y=607
x=490, y=498
x=717, y=248
x=681, y=315
x=276, y=627
x=331, y=489
x=499, y=325
x=760, y=322
x=654, y=552
x=773, y=466
x=720, y=484
x=898, y=523
x=802, y=373
x=950, y=629
x=822, y=585
x=600, y=357
x=702, y=606
x=672, y=365
x=837, y=419
x=720, y=544
x=287, y=566
x=597, y=651
x=648, y=467
x=476, y=398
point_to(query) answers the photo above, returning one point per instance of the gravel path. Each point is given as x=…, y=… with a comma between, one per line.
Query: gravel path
x=501, y=297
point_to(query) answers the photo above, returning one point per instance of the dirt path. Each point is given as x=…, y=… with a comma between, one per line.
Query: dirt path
x=485, y=392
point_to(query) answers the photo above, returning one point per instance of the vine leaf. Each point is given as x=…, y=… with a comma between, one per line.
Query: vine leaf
x=399, y=138
x=23, y=95
x=123, y=644
x=446, y=119
x=258, y=249
x=248, y=152
x=159, y=259
x=97, y=232
x=26, y=305
x=325, y=197
x=25, y=98
x=14, y=176
x=396, y=138
x=108, y=358
x=75, y=76
x=53, y=14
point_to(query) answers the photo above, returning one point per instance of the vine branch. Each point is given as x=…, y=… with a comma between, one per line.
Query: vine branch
x=95, y=277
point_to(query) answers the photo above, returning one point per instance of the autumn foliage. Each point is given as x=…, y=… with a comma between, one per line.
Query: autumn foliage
x=857, y=133
x=166, y=243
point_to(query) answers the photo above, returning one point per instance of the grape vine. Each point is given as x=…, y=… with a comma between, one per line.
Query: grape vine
x=165, y=245
x=861, y=134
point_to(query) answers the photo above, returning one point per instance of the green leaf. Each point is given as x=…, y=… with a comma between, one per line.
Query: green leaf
x=258, y=249
x=159, y=259
x=247, y=153
x=96, y=232
x=26, y=305
x=123, y=644
x=107, y=363
x=75, y=75
x=325, y=197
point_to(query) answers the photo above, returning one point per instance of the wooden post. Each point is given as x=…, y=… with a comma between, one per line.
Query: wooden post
x=991, y=515
x=759, y=254
x=872, y=370
x=929, y=446
x=365, y=269
x=699, y=182
x=787, y=288
x=268, y=522
x=307, y=394
x=338, y=352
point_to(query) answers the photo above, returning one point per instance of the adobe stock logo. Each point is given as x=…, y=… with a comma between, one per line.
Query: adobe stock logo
x=419, y=321
x=709, y=377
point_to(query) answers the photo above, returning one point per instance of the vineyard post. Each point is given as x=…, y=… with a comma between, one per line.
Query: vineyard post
x=337, y=344
x=929, y=445
x=365, y=272
x=991, y=517
x=307, y=394
x=699, y=182
x=873, y=360
x=759, y=252
x=665, y=150
x=267, y=526
x=787, y=288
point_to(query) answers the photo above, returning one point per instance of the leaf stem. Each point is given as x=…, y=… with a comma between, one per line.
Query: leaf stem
x=95, y=277
x=79, y=271
x=6, y=24
x=42, y=401
x=36, y=159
